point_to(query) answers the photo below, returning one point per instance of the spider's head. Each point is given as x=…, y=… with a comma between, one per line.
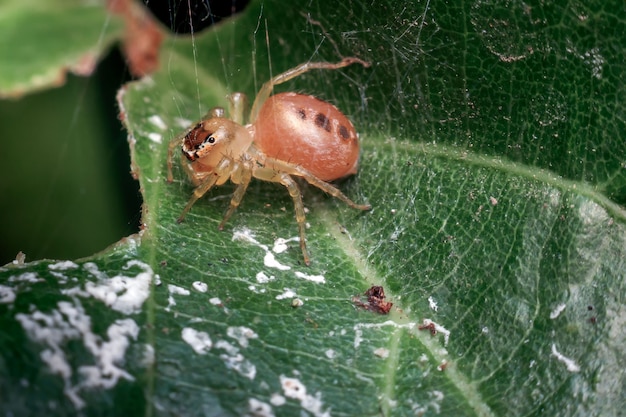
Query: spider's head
x=213, y=138
x=205, y=137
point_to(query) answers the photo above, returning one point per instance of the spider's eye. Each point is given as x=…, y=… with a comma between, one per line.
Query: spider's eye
x=210, y=139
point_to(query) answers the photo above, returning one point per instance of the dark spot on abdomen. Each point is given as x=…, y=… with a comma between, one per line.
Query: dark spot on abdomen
x=322, y=121
x=301, y=113
x=343, y=132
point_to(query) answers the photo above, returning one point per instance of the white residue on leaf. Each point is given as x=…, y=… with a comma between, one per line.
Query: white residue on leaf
x=7, y=295
x=93, y=269
x=262, y=278
x=241, y=334
x=595, y=60
x=61, y=278
x=318, y=279
x=227, y=347
x=245, y=235
x=235, y=360
x=148, y=356
x=396, y=235
x=239, y=364
x=288, y=293
x=295, y=389
x=570, y=364
x=382, y=352
x=358, y=329
x=435, y=398
x=200, y=286
x=269, y=259
x=557, y=311
x=254, y=289
x=330, y=353
x=440, y=329
x=63, y=266
x=592, y=213
x=56, y=328
x=106, y=374
x=200, y=342
x=358, y=336
x=277, y=399
x=174, y=289
x=258, y=408
x=157, y=121
x=280, y=244
x=56, y=268
x=215, y=301
x=29, y=277
x=432, y=304
x=155, y=137
x=592, y=58
x=123, y=293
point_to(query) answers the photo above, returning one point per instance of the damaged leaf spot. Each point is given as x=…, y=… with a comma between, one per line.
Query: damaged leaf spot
x=375, y=301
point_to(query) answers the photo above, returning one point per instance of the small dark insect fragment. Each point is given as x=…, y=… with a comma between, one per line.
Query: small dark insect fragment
x=375, y=300
x=430, y=326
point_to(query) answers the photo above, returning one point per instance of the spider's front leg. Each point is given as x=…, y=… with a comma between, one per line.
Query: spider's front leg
x=217, y=176
x=241, y=175
x=237, y=106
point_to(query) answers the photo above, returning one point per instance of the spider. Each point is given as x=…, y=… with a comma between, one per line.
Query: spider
x=287, y=135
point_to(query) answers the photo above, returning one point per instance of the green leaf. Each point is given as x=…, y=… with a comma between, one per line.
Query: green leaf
x=493, y=159
x=41, y=41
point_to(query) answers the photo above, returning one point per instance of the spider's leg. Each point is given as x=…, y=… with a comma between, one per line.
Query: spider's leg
x=238, y=104
x=296, y=196
x=313, y=180
x=266, y=89
x=220, y=170
x=241, y=176
x=284, y=179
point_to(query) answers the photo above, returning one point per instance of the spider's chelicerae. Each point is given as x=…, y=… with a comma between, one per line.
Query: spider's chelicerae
x=286, y=135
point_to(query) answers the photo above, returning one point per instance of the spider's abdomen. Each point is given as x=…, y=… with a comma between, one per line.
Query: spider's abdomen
x=309, y=132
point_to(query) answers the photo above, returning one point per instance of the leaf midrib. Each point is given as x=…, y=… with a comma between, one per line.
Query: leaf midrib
x=431, y=345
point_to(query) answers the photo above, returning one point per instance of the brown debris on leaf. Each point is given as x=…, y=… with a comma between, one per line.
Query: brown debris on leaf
x=142, y=37
x=430, y=326
x=375, y=300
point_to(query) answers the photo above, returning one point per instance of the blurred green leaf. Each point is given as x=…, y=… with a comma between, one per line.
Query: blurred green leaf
x=41, y=41
x=493, y=159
